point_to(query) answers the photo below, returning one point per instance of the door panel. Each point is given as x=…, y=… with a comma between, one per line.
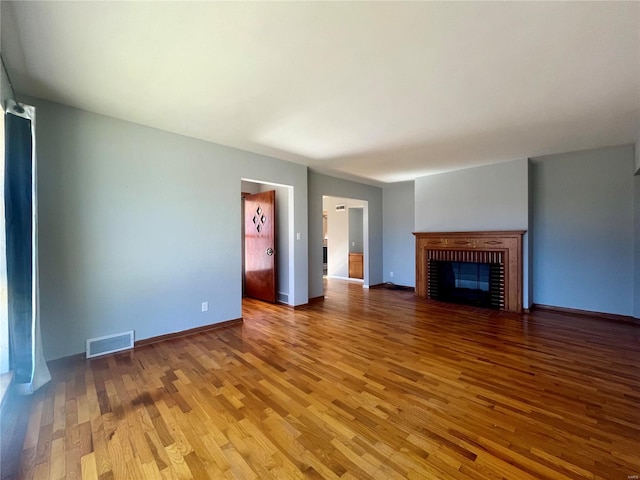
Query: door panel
x=259, y=246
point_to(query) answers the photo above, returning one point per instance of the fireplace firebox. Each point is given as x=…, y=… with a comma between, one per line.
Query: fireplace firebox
x=475, y=268
x=468, y=283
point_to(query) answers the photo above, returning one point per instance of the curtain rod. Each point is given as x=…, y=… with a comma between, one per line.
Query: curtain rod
x=17, y=107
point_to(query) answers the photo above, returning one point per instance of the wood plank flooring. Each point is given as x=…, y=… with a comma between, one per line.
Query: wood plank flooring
x=367, y=384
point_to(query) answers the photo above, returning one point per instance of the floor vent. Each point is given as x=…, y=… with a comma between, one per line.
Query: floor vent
x=109, y=344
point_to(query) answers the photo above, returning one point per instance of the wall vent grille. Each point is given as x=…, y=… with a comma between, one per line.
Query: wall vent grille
x=283, y=297
x=109, y=344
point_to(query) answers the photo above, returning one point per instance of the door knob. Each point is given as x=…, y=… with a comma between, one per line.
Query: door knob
x=269, y=251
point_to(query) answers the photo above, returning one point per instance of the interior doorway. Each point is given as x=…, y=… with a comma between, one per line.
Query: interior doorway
x=324, y=243
x=356, y=242
x=346, y=239
x=283, y=252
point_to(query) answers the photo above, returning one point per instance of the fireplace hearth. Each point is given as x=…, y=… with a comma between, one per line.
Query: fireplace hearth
x=482, y=269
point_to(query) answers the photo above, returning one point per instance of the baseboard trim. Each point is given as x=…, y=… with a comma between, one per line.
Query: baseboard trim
x=58, y=362
x=587, y=313
x=186, y=333
x=70, y=359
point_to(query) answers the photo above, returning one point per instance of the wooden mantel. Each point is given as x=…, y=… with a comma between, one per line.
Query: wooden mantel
x=509, y=243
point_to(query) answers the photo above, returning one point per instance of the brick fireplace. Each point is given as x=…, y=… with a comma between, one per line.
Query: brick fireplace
x=501, y=251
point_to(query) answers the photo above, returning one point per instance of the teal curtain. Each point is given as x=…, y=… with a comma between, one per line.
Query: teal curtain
x=18, y=181
x=20, y=196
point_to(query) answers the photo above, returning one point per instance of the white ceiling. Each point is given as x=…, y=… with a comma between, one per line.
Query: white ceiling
x=376, y=91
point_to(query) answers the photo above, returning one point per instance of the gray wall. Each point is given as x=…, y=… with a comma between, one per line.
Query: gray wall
x=399, y=245
x=249, y=187
x=356, y=236
x=9, y=41
x=636, y=261
x=5, y=91
x=493, y=197
x=139, y=226
x=320, y=185
x=5, y=24
x=583, y=230
x=637, y=151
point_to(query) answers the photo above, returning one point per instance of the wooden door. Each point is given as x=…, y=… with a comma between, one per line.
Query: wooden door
x=260, y=246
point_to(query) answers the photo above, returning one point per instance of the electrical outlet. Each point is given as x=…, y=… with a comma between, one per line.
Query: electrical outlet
x=391, y=274
x=205, y=306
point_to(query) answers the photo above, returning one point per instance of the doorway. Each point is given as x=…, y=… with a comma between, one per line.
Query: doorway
x=284, y=236
x=324, y=243
x=356, y=243
x=346, y=238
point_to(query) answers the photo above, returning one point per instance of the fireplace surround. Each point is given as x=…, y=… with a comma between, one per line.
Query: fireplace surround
x=501, y=248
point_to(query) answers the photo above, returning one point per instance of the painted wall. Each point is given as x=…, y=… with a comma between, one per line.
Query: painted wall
x=399, y=245
x=493, y=197
x=139, y=226
x=5, y=91
x=636, y=262
x=249, y=187
x=319, y=185
x=530, y=238
x=583, y=229
x=356, y=234
x=338, y=231
x=9, y=41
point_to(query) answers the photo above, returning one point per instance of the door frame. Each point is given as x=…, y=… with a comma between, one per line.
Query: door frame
x=290, y=239
x=364, y=204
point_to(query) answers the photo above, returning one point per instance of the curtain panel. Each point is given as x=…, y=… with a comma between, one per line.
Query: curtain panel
x=20, y=188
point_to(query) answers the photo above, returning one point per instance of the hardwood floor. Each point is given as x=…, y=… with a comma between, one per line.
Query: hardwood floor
x=367, y=384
